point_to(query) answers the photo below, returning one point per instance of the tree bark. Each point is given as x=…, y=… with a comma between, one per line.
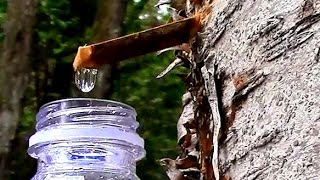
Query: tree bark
x=261, y=71
x=108, y=21
x=15, y=70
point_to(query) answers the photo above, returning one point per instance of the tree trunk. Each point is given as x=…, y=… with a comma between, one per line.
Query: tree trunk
x=15, y=69
x=110, y=14
x=260, y=68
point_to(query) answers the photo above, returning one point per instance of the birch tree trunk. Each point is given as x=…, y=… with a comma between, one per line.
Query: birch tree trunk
x=15, y=70
x=261, y=73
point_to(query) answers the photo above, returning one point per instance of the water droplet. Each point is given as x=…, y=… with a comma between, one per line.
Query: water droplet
x=85, y=79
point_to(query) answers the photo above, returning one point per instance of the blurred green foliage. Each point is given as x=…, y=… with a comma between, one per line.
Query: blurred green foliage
x=157, y=102
x=64, y=25
x=158, y=105
x=3, y=8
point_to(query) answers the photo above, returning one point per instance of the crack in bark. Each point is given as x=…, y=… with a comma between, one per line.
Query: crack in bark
x=214, y=117
x=240, y=95
x=265, y=28
x=202, y=113
x=209, y=75
x=289, y=43
x=317, y=56
x=216, y=31
x=210, y=80
x=289, y=39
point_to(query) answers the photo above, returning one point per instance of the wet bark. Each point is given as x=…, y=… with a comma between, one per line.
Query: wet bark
x=261, y=73
x=15, y=70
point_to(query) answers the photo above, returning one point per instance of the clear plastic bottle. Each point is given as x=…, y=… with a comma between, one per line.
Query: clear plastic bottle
x=86, y=139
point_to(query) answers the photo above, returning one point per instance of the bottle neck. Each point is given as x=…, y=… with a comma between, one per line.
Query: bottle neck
x=78, y=156
x=93, y=138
